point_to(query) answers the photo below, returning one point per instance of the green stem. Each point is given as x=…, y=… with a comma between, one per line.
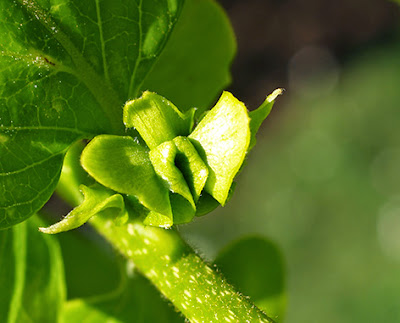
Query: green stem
x=196, y=289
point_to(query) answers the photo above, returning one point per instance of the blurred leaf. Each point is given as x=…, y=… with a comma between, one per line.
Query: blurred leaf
x=84, y=253
x=107, y=295
x=66, y=69
x=138, y=301
x=31, y=275
x=194, y=66
x=255, y=267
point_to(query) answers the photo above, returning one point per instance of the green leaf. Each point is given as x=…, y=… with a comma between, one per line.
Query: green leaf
x=31, y=275
x=260, y=114
x=156, y=119
x=67, y=67
x=255, y=266
x=222, y=138
x=194, y=66
x=138, y=302
x=123, y=165
x=98, y=200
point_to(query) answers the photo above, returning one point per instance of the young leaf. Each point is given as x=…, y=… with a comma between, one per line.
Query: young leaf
x=66, y=69
x=123, y=165
x=258, y=116
x=195, y=64
x=256, y=267
x=222, y=138
x=97, y=200
x=156, y=119
x=31, y=275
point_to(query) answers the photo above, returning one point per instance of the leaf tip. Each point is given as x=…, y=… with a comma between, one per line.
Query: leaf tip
x=275, y=94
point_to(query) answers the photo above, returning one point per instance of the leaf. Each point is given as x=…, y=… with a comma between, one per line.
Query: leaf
x=222, y=138
x=98, y=200
x=255, y=266
x=194, y=66
x=123, y=165
x=67, y=67
x=138, y=302
x=260, y=114
x=31, y=275
x=156, y=119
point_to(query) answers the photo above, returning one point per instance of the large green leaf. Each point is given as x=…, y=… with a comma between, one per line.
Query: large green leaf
x=194, y=67
x=256, y=268
x=66, y=68
x=31, y=275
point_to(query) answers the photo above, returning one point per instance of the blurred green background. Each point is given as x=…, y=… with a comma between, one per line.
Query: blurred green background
x=323, y=182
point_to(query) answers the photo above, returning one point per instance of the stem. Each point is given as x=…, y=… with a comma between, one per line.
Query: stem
x=197, y=290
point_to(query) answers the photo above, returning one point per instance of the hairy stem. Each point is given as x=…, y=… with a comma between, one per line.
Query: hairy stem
x=195, y=288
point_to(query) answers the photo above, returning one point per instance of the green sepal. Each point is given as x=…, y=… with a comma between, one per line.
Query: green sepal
x=180, y=166
x=207, y=203
x=97, y=199
x=73, y=175
x=194, y=170
x=156, y=119
x=123, y=165
x=182, y=210
x=222, y=138
x=163, y=159
x=158, y=220
x=260, y=114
